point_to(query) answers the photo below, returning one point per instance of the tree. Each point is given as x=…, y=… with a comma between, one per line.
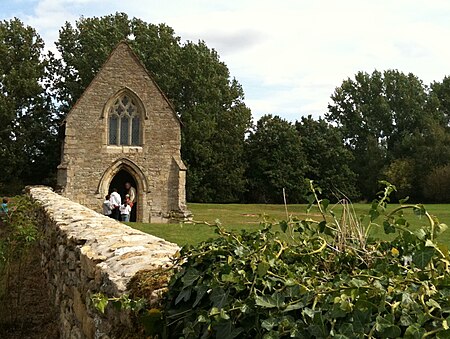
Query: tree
x=401, y=173
x=209, y=103
x=27, y=131
x=437, y=185
x=215, y=121
x=440, y=94
x=377, y=114
x=327, y=157
x=275, y=161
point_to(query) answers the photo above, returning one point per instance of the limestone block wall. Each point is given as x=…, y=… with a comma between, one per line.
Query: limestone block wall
x=89, y=162
x=83, y=253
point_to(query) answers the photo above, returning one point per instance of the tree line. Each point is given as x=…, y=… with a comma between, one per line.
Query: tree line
x=380, y=126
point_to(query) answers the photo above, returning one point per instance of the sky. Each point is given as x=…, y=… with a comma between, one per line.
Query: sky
x=288, y=55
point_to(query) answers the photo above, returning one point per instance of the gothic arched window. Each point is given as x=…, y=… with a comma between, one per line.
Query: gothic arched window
x=124, y=122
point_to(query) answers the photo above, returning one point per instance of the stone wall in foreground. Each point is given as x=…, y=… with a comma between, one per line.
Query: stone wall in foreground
x=85, y=253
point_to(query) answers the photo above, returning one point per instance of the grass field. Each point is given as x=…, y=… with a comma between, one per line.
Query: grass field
x=243, y=216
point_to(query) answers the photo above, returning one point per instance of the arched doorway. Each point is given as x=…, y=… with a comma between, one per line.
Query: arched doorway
x=135, y=176
x=118, y=182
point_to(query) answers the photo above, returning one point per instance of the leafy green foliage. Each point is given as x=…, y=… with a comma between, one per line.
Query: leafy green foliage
x=27, y=131
x=308, y=281
x=401, y=173
x=377, y=114
x=437, y=184
x=328, y=160
x=18, y=235
x=18, y=230
x=275, y=161
x=150, y=320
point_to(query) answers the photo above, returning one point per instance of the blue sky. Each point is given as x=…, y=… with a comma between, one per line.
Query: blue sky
x=289, y=55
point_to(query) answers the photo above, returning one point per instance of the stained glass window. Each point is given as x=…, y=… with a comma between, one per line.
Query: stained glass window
x=124, y=122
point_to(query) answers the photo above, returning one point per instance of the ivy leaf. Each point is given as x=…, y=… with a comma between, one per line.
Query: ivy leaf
x=382, y=324
x=100, y=302
x=229, y=278
x=388, y=228
x=283, y=226
x=420, y=210
x=190, y=277
x=429, y=243
x=201, y=291
x=406, y=320
x=318, y=329
x=386, y=328
x=357, y=282
x=311, y=199
x=265, y=301
x=224, y=315
x=423, y=257
x=226, y=330
x=346, y=330
x=325, y=204
x=272, y=335
x=404, y=200
x=373, y=214
x=295, y=306
x=268, y=324
x=433, y=303
x=239, y=251
x=440, y=228
x=360, y=320
x=391, y=332
x=275, y=300
x=309, y=312
x=262, y=269
x=322, y=225
x=414, y=331
x=185, y=294
x=420, y=233
x=219, y=297
x=401, y=221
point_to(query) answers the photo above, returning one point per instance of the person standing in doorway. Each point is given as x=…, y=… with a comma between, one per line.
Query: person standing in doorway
x=116, y=201
x=125, y=210
x=107, y=207
x=131, y=193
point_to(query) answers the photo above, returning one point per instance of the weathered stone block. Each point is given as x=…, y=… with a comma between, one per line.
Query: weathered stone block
x=91, y=253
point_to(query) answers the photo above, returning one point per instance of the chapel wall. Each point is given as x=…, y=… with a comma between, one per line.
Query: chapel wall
x=87, y=154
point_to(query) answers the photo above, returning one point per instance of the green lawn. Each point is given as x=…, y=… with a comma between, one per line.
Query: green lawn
x=243, y=216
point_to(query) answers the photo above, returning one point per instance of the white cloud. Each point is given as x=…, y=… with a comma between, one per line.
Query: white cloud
x=289, y=55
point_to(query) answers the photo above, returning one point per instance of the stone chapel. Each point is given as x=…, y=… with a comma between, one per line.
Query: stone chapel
x=124, y=129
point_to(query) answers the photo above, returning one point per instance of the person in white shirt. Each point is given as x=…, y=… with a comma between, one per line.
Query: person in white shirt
x=107, y=207
x=116, y=201
x=125, y=210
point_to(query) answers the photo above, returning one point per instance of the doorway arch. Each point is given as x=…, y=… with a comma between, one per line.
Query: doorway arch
x=118, y=182
x=121, y=171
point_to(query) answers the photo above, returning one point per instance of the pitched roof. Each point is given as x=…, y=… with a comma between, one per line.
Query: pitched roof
x=139, y=62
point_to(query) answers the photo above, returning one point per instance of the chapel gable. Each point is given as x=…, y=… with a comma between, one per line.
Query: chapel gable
x=124, y=131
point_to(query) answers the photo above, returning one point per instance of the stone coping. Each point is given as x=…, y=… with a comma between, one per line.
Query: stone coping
x=107, y=247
